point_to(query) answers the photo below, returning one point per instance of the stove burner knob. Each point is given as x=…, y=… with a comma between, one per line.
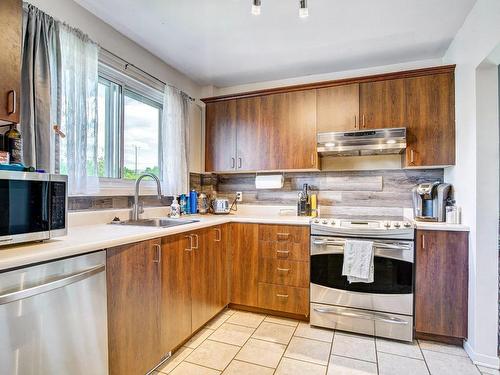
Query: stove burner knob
x=325, y=221
x=407, y=225
x=332, y=222
x=316, y=221
x=397, y=225
x=387, y=224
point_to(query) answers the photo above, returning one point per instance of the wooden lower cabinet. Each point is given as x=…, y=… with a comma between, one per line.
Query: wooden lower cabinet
x=134, y=297
x=441, y=284
x=244, y=264
x=176, y=290
x=270, y=267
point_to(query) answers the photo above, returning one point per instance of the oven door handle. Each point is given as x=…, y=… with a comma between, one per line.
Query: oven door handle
x=377, y=245
x=371, y=316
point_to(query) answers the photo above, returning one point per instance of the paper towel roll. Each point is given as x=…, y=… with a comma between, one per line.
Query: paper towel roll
x=270, y=181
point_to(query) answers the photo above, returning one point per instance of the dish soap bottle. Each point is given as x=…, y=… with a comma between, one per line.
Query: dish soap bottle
x=175, y=209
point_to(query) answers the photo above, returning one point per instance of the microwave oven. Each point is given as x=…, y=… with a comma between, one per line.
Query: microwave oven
x=33, y=206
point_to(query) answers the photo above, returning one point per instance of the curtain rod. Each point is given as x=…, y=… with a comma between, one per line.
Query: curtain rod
x=127, y=64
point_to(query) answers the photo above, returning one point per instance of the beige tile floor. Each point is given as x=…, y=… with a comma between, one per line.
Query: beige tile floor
x=243, y=343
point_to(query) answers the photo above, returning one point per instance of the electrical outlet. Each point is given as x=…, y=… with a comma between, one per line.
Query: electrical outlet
x=239, y=196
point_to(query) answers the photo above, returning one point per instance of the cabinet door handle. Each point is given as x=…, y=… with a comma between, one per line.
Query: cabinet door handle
x=284, y=236
x=190, y=248
x=158, y=253
x=12, y=106
x=195, y=247
x=233, y=163
x=423, y=241
x=282, y=295
x=283, y=269
x=355, y=122
x=282, y=252
x=313, y=159
x=219, y=234
x=239, y=163
x=412, y=156
x=363, y=120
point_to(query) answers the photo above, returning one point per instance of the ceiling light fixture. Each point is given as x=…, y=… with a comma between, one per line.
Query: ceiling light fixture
x=303, y=11
x=256, y=7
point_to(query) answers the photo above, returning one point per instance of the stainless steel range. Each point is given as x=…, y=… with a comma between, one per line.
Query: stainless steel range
x=383, y=308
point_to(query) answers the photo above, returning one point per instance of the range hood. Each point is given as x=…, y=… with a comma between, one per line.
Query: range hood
x=362, y=142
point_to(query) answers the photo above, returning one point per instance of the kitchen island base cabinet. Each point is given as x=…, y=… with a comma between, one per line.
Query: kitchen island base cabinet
x=133, y=287
x=441, y=283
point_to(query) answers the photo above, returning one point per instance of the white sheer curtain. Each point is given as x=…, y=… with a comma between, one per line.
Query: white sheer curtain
x=174, y=134
x=78, y=86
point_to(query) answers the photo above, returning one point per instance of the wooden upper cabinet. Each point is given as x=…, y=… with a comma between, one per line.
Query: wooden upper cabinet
x=338, y=108
x=10, y=60
x=176, y=291
x=382, y=104
x=441, y=283
x=430, y=111
x=220, y=138
x=254, y=139
x=134, y=296
x=298, y=136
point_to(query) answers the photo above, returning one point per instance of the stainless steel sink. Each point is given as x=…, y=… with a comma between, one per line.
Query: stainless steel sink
x=160, y=222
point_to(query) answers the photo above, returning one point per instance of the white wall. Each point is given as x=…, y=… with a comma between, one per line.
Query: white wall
x=475, y=176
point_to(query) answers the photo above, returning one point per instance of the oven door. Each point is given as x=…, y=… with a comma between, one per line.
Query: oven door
x=391, y=291
x=24, y=207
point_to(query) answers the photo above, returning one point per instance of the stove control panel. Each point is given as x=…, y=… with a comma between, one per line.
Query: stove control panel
x=372, y=224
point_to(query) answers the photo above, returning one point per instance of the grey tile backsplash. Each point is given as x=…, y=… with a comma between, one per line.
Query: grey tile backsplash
x=368, y=194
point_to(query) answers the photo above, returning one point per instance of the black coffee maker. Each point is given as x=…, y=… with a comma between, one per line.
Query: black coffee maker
x=429, y=201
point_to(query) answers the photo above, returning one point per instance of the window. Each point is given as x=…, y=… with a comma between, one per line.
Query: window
x=129, y=124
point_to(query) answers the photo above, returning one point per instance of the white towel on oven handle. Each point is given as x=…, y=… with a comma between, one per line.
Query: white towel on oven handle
x=358, y=261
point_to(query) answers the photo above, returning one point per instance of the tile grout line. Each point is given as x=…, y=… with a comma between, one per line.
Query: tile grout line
x=286, y=347
x=423, y=356
x=376, y=354
x=331, y=352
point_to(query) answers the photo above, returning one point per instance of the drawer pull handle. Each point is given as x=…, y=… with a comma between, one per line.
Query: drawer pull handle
x=282, y=236
x=282, y=295
x=285, y=253
x=372, y=316
x=282, y=269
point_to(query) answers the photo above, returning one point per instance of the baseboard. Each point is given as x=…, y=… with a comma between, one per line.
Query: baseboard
x=481, y=359
x=269, y=312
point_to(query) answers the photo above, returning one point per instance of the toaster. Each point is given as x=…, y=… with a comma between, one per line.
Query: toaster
x=221, y=206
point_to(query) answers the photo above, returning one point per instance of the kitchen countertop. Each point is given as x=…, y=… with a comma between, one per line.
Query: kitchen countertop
x=87, y=238
x=89, y=232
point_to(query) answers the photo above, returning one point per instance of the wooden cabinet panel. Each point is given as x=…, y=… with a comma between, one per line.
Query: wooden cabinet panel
x=382, y=104
x=338, y=108
x=10, y=60
x=430, y=111
x=284, y=298
x=254, y=138
x=220, y=138
x=298, y=135
x=274, y=118
x=284, y=272
x=219, y=237
x=244, y=263
x=176, y=291
x=441, y=283
x=284, y=233
x=134, y=293
x=202, y=279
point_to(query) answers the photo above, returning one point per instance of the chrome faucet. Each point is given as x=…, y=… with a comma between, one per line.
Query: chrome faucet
x=136, y=209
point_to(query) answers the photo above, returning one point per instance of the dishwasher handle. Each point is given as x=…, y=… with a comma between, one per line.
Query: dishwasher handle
x=51, y=285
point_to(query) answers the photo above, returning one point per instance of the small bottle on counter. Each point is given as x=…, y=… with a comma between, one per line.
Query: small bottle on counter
x=13, y=144
x=193, y=202
x=175, y=209
x=183, y=203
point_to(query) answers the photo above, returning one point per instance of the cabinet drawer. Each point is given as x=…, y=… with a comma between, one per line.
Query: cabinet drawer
x=284, y=250
x=284, y=298
x=284, y=233
x=284, y=272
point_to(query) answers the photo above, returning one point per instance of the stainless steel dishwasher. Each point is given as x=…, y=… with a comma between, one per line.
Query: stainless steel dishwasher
x=53, y=318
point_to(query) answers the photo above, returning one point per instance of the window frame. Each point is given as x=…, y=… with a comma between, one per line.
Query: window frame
x=142, y=92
